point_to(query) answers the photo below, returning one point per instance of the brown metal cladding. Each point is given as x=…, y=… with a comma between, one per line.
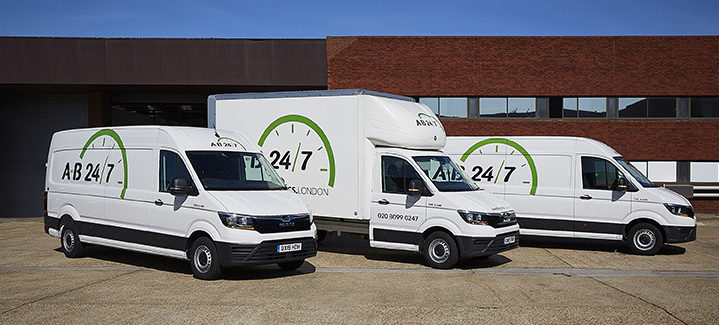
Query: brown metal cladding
x=119, y=61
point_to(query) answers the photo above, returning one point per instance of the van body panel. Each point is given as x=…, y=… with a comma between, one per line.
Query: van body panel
x=545, y=183
x=110, y=182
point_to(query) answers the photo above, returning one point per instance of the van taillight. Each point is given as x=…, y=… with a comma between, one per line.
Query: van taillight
x=44, y=203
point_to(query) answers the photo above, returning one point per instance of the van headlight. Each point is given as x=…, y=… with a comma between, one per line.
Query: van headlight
x=680, y=210
x=473, y=218
x=237, y=221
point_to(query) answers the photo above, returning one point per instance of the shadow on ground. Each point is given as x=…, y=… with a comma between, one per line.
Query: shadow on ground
x=167, y=264
x=357, y=246
x=590, y=245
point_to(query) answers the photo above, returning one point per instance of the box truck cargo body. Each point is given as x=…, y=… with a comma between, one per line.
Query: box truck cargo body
x=577, y=188
x=191, y=193
x=370, y=163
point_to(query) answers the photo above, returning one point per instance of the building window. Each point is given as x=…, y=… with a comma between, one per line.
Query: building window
x=569, y=107
x=704, y=107
x=521, y=107
x=447, y=106
x=632, y=107
x=492, y=107
x=662, y=107
x=592, y=107
x=453, y=107
x=431, y=102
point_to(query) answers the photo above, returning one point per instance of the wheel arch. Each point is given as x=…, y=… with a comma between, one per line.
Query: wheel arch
x=644, y=220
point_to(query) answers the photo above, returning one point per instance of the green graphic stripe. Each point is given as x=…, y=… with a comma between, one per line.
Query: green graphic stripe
x=116, y=137
x=233, y=140
x=514, y=145
x=427, y=115
x=313, y=126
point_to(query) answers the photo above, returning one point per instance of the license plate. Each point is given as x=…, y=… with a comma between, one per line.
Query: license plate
x=510, y=239
x=286, y=248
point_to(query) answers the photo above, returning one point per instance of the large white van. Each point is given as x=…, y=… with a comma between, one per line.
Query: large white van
x=191, y=193
x=369, y=163
x=576, y=187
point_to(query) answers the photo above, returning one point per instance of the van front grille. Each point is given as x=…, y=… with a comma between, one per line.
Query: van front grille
x=285, y=223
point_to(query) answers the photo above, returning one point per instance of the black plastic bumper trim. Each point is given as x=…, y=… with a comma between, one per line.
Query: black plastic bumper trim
x=676, y=234
x=485, y=246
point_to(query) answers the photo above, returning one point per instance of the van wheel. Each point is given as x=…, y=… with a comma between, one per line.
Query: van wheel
x=70, y=241
x=204, y=259
x=645, y=239
x=291, y=266
x=440, y=251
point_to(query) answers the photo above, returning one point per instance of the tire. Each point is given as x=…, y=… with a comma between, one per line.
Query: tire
x=70, y=241
x=440, y=250
x=291, y=266
x=321, y=235
x=645, y=239
x=204, y=260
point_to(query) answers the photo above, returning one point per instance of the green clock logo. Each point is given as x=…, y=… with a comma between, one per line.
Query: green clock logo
x=102, y=153
x=300, y=146
x=516, y=167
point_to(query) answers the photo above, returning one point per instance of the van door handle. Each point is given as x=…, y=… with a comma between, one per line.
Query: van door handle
x=158, y=202
x=383, y=202
x=586, y=197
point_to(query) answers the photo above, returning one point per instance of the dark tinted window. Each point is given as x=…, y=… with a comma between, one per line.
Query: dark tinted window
x=662, y=107
x=598, y=174
x=396, y=174
x=705, y=107
x=171, y=167
x=632, y=107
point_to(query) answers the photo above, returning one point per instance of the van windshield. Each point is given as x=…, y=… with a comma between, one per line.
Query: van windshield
x=635, y=173
x=234, y=171
x=445, y=174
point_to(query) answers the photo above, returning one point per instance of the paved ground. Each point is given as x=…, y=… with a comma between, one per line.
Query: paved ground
x=557, y=282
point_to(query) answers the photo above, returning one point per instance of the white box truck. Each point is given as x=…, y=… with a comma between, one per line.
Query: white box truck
x=191, y=193
x=576, y=188
x=369, y=163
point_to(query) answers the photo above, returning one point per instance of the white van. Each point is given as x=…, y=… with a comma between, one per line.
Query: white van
x=191, y=193
x=369, y=163
x=576, y=187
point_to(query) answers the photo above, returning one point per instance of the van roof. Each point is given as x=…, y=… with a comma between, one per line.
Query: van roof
x=554, y=144
x=139, y=136
x=309, y=93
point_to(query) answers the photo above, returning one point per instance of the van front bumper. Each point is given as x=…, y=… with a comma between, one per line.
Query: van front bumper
x=264, y=252
x=677, y=234
x=482, y=246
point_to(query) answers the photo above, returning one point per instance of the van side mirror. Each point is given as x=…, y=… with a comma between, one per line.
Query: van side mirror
x=181, y=186
x=416, y=187
x=622, y=184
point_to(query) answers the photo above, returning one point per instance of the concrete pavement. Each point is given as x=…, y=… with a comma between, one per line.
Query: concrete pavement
x=348, y=282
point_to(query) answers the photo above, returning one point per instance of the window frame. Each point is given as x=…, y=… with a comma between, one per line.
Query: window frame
x=159, y=172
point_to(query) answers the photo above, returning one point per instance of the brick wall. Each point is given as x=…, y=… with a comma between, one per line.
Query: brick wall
x=635, y=139
x=526, y=66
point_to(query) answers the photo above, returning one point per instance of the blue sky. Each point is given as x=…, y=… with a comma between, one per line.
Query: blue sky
x=317, y=19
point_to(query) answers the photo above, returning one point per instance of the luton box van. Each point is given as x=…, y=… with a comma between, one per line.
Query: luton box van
x=576, y=187
x=191, y=193
x=369, y=163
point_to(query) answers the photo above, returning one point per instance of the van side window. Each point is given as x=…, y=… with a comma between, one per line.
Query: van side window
x=598, y=174
x=171, y=167
x=396, y=174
